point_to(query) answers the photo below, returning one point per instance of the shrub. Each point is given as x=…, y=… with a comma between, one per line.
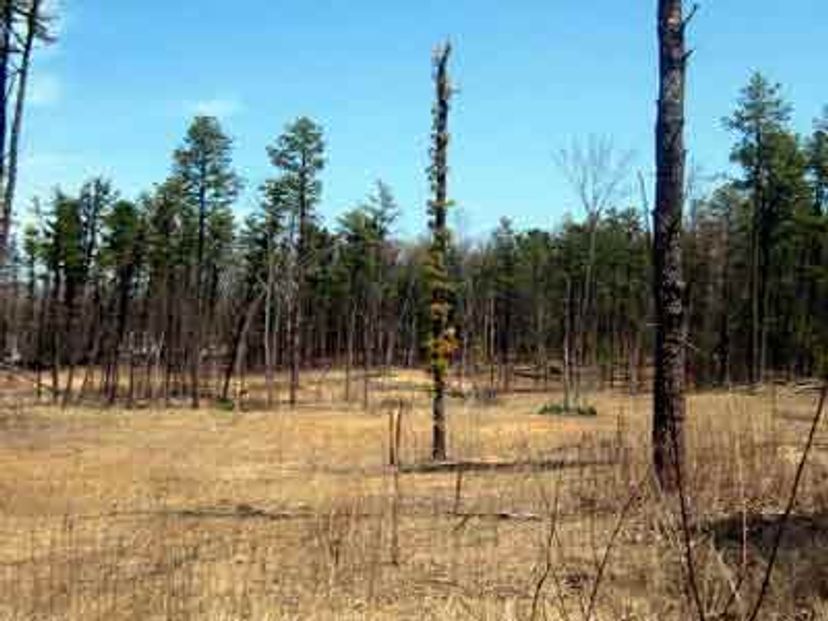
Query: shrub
x=559, y=409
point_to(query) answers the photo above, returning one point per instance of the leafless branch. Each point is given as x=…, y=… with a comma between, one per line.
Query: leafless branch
x=791, y=500
x=593, y=596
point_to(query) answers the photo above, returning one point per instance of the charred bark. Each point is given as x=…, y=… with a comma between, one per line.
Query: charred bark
x=669, y=401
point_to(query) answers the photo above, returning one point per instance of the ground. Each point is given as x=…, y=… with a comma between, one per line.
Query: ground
x=221, y=514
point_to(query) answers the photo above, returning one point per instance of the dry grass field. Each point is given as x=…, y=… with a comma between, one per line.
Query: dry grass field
x=108, y=514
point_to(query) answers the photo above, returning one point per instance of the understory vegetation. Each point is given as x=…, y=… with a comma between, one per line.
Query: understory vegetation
x=270, y=515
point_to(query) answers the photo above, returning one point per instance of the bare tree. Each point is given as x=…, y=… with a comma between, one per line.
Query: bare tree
x=597, y=174
x=668, y=282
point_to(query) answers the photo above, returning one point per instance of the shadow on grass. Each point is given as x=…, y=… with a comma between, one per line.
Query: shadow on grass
x=802, y=560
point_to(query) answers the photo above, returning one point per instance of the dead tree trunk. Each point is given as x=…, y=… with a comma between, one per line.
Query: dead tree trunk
x=243, y=324
x=441, y=335
x=296, y=308
x=669, y=403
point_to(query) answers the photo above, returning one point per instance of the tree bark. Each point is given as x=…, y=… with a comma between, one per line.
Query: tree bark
x=669, y=401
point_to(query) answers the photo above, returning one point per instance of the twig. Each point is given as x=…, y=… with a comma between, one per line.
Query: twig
x=691, y=584
x=693, y=10
x=791, y=500
x=736, y=590
x=553, y=525
x=593, y=596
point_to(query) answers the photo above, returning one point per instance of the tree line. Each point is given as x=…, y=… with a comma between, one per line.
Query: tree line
x=173, y=296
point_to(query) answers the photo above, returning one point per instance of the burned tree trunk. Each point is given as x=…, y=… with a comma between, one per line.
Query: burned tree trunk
x=6, y=37
x=33, y=19
x=442, y=341
x=669, y=403
x=22, y=26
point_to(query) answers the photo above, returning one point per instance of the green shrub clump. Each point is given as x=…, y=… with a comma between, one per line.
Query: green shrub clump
x=559, y=409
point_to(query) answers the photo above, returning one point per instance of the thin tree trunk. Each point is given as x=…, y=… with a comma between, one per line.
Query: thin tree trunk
x=17, y=124
x=490, y=333
x=241, y=346
x=41, y=337
x=349, y=357
x=296, y=310
x=71, y=313
x=368, y=354
x=124, y=299
x=198, y=329
x=567, y=347
x=131, y=381
x=5, y=91
x=723, y=346
x=56, y=341
x=268, y=327
x=295, y=340
x=239, y=341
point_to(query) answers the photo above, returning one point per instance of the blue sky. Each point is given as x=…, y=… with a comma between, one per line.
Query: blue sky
x=115, y=95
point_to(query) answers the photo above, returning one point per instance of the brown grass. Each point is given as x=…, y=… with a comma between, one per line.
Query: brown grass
x=149, y=514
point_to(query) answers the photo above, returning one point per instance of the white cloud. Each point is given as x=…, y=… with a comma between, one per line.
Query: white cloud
x=58, y=20
x=220, y=107
x=45, y=90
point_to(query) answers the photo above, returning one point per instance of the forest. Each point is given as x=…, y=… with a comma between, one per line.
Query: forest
x=179, y=293
x=212, y=410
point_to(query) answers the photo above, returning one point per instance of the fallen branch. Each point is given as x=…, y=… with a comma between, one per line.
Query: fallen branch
x=23, y=374
x=499, y=466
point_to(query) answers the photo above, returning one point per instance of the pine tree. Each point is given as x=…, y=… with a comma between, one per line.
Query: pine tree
x=364, y=232
x=299, y=154
x=123, y=255
x=759, y=120
x=209, y=186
